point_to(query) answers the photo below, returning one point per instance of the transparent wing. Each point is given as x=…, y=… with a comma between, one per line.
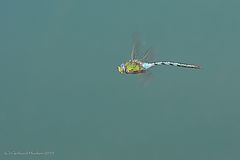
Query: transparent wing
x=146, y=54
x=149, y=56
x=136, y=45
x=146, y=78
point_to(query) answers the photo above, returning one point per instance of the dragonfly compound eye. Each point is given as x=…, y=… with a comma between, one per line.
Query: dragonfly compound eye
x=121, y=69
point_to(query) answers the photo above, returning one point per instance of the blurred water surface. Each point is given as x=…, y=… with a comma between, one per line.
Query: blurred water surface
x=60, y=90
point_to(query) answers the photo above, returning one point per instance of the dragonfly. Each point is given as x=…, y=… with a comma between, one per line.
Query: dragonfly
x=138, y=66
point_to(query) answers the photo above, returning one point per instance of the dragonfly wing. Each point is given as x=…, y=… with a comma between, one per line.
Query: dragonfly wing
x=146, y=78
x=136, y=45
x=148, y=56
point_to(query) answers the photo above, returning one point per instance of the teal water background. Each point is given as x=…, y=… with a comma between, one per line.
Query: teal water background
x=60, y=91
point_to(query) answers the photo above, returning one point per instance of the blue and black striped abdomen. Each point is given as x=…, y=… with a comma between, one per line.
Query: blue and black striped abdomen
x=176, y=64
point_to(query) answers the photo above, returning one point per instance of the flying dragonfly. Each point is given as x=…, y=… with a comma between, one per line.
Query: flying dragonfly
x=137, y=66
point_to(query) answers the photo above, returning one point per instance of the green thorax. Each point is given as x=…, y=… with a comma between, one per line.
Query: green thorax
x=134, y=66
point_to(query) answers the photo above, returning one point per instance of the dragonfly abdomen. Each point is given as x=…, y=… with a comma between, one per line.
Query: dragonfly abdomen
x=176, y=64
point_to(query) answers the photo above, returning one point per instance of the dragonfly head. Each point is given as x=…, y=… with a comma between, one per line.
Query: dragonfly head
x=121, y=68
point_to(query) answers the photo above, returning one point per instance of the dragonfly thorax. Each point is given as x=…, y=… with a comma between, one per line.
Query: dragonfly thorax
x=131, y=67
